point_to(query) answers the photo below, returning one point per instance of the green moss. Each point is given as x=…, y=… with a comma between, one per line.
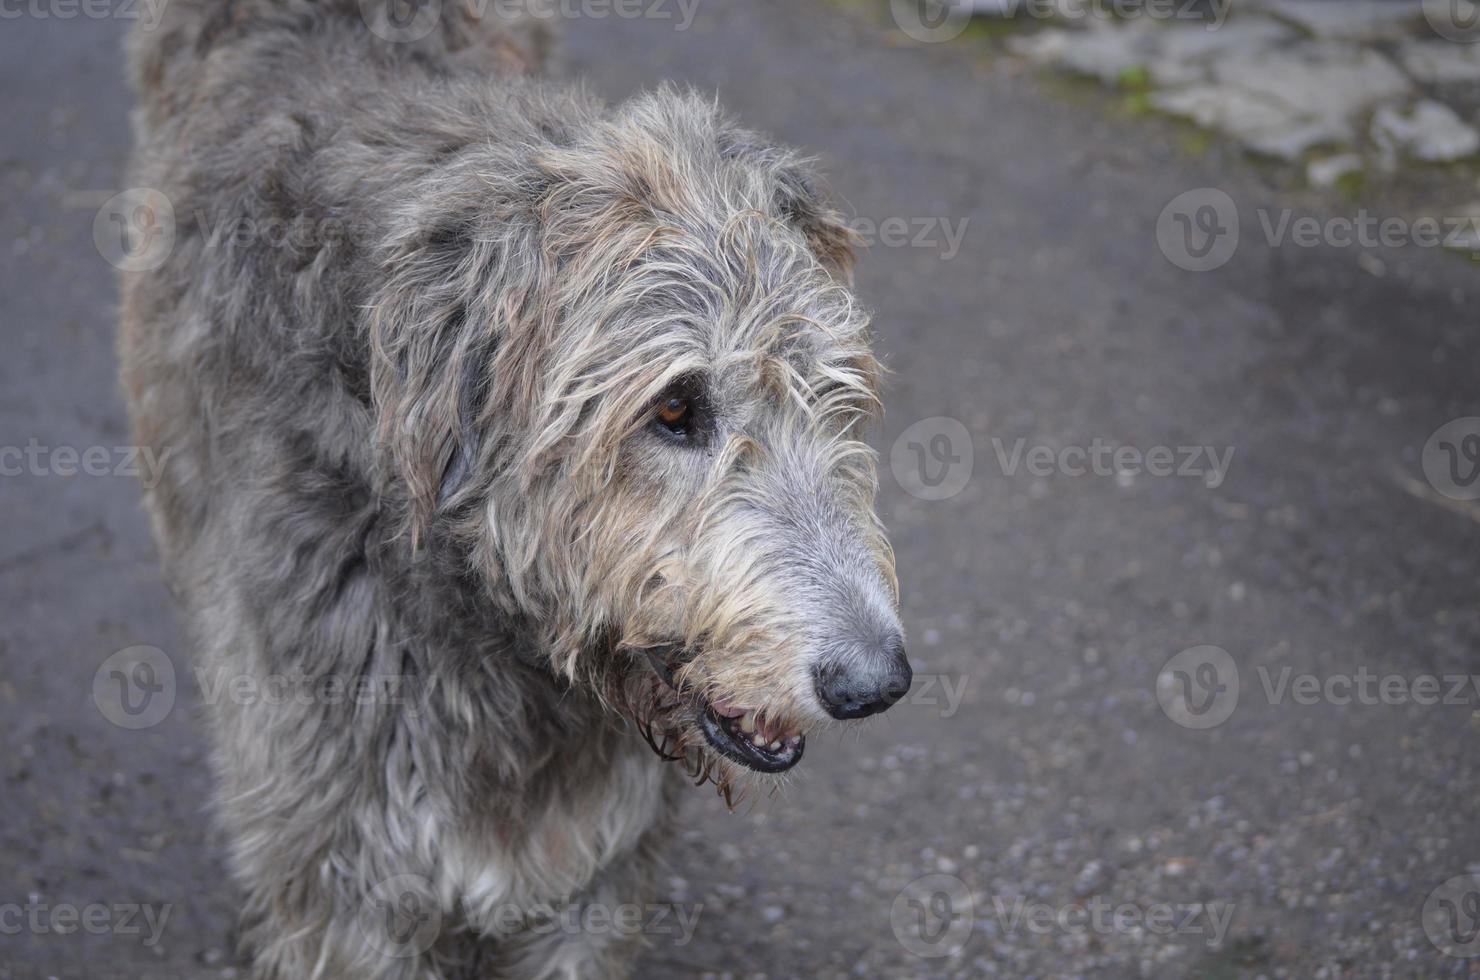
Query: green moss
x=1136, y=78
x=1196, y=141
x=1137, y=104
x=1351, y=184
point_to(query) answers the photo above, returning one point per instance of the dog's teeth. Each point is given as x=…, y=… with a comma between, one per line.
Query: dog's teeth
x=776, y=745
x=796, y=740
x=759, y=740
x=747, y=724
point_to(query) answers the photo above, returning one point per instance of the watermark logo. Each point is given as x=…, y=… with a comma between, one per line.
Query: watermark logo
x=1198, y=230
x=135, y=687
x=931, y=21
x=933, y=459
x=1451, y=459
x=399, y=917
x=134, y=230
x=933, y=916
x=1198, y=688
x=401, y=21
x=1451, y=917
x=1454, y=20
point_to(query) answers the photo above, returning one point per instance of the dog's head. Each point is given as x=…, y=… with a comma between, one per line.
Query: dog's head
x=626, y=372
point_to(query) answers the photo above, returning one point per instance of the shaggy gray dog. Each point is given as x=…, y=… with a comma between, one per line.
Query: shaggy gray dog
x=522, y=436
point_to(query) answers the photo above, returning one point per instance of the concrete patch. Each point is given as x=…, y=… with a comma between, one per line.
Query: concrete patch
x=1328, y=171
x=1429, y=131
x=1265, y=124
x=1349, y=20
x=1102, y=51
x=1440, y=61
x=1324, y=82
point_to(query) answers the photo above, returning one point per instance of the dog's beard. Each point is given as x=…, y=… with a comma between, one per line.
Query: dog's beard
x=666, y=719
x=715, y=743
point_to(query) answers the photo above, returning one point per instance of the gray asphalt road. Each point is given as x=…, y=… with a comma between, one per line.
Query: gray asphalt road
x=1074, y=826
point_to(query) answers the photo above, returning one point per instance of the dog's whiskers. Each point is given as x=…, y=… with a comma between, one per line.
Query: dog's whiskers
x=697, y=764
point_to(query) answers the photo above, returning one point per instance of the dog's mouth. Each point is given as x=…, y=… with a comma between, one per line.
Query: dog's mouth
x=747, y=737
x=744, y=736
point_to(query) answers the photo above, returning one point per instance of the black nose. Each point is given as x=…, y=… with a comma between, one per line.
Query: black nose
x=866, y=682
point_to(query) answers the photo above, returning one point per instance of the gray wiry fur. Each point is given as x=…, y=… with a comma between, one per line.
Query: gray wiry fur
x=412, y=440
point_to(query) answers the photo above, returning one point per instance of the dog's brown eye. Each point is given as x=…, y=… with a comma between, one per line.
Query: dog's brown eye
x=681, y=415
x=675, y=413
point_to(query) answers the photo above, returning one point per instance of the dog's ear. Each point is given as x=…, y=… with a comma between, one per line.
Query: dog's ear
x=433, y=347
x=467, y=440
x=799, y=199
x=803, y=205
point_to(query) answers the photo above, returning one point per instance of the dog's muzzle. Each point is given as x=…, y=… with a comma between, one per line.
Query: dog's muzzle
x=744, y=737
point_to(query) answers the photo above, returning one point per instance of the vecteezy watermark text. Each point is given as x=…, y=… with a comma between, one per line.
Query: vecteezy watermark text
x=1200, y=230
x=1106, y=459
x=304, y=689
x=940, y=691
x=401, y=917
x=136, y=230
x=939, y=234
x=595, y=918
x=1100, y=916
x=1367, y=230
x=1200, y=687
x=935, y=915
x=403, y=21
x=680, y=11
x=96, y=919
x=1368, y=688
x=935, y=21
x=34, y=459
x=146, y=12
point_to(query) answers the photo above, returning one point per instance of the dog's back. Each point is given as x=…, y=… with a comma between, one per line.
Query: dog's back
x=173, y=61
x=280, y=138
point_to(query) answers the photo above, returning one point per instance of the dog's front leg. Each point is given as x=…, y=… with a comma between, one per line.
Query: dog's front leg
x=595, y=936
